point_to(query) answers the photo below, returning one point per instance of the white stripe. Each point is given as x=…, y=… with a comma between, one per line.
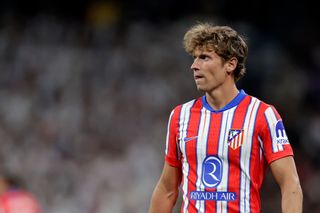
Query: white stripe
x=226, y=123
x=246, y=154
x=237, y=141
x=183, y=125
x=261, y=147
x=202, y=152
x=168, y=132
x=272, y=121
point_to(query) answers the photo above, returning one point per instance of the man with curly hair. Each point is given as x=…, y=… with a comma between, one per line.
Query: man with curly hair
x=219, y=146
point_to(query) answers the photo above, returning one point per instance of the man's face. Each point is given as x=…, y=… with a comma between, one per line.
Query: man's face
x=208, y=68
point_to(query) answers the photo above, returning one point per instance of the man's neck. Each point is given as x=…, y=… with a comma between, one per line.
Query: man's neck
x=219, y=98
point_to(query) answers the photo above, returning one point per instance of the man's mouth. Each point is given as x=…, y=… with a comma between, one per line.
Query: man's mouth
x=196, y=77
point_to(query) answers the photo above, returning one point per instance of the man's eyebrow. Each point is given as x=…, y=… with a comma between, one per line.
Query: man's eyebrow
x=197, y=55
x=202, y=55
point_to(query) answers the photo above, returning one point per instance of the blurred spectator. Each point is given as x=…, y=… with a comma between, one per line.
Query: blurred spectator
x=14, y=198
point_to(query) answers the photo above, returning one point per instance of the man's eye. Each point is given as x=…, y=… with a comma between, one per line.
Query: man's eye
x=204, y=57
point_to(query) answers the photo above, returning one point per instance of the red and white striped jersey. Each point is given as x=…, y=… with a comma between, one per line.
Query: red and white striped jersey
x=224, y=154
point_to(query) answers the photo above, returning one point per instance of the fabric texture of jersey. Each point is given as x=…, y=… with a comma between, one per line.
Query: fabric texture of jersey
x=224, y=154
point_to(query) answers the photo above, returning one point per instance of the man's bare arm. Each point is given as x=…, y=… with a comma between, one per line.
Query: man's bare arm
x=166, y=191
x=285, y=174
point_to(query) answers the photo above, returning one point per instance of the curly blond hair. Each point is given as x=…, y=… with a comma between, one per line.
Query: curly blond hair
x=224, y=40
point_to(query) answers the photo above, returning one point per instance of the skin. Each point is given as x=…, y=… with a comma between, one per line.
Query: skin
x=215, y=77
x=285, y=173
x=166, y=191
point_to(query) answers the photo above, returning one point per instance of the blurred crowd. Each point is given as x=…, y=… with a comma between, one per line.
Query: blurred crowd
x=84, y=108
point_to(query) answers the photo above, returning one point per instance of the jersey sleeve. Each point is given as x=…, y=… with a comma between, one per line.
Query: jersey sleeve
x=172, y=152
x=273, y=136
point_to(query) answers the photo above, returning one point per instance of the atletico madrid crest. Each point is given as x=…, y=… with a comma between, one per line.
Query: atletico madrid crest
x=235, y=138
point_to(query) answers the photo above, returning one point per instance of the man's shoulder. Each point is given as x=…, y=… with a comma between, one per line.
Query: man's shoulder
x=196, y=102
x=263, y=104
x=265, y=108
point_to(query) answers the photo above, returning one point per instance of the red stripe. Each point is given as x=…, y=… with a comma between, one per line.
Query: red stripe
x=257, y=168
x=172, y=152
x=192, y=130
x=257, y=164
x=251, y=202
x=175, y=125
x=234, y=155
x=212, y=149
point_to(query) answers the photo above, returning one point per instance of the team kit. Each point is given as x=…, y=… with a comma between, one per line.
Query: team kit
x=220, y=150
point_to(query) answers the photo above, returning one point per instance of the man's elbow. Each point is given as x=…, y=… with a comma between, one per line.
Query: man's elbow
x=169, y=193
x=293, y=187
x=296, y=189
x=173, y=195
x=163, y=200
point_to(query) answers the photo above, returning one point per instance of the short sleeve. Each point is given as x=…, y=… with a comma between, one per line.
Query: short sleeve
x=274, y=137
x=172, y=152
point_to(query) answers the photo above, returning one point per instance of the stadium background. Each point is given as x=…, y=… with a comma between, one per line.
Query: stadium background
x=86, y=88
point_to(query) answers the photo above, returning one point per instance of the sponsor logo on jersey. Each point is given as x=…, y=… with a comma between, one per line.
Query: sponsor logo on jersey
x=211, y=171
x=281, y=136
x=218, y=196
x=235, y=138
x=211, y=178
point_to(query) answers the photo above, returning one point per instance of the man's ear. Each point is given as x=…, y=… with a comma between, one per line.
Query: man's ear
x=231, y=65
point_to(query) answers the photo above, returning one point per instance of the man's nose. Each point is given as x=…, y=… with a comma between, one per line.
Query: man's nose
x=195, y=65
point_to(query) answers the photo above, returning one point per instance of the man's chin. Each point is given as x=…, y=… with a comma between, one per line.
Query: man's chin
x=200, y=89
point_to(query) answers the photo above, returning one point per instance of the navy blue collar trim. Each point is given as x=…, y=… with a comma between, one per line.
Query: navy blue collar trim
x=241, y=95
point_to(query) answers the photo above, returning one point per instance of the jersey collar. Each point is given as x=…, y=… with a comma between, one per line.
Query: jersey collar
x=241, y=95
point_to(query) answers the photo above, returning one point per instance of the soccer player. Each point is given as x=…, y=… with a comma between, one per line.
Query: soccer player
x=219, y=145
x=15, y=199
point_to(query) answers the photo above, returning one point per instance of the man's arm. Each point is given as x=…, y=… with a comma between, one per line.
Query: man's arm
x=285, y=174
x=166, y=191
